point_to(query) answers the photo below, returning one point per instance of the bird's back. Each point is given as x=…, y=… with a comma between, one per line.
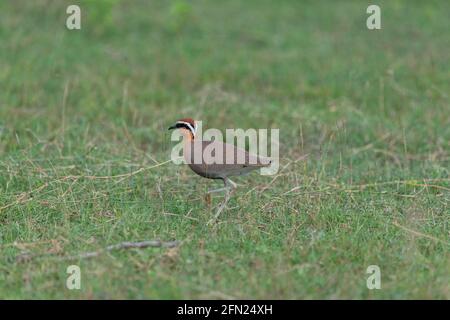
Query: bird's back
x=215, y=159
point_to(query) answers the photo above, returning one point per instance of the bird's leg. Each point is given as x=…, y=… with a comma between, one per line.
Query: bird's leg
x=218, y=190
x=221, y=207
x=228, y=184
x=230, y=187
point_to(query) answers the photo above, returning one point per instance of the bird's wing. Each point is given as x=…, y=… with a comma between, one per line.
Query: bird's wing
x=231, y=155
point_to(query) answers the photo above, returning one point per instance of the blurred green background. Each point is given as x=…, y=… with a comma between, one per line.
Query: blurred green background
x=371, y=108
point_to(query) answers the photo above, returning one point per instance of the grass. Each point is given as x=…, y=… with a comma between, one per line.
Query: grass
x=371, y=108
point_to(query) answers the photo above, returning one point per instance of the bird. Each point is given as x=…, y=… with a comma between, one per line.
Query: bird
x=205, y=164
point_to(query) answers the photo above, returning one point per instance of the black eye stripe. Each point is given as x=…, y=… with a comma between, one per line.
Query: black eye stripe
x=185, y=126
x=182, y=125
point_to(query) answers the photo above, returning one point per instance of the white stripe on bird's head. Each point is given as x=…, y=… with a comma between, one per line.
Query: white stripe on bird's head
x=193, y=129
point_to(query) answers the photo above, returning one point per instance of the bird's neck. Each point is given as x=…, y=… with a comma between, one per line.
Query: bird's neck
x=188, y=139
x=187, y=136
x=189, y=148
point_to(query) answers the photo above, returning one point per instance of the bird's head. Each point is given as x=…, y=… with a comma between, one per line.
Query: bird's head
x=187, y=126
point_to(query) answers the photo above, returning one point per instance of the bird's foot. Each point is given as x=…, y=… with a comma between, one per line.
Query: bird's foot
x=233, y=185
x=211, y=222
x=221, y=207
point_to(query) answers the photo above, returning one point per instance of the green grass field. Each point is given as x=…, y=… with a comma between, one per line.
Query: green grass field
x=83, y=127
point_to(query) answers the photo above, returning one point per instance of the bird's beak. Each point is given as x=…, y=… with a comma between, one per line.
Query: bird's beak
x=172, y=127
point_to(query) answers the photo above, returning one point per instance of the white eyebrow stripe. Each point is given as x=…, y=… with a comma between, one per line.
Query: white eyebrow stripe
x=189, y=126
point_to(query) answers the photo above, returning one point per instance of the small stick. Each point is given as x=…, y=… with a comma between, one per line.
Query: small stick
x=119, y=246
x=124, y=175
x=24, y=197
x=417, y=233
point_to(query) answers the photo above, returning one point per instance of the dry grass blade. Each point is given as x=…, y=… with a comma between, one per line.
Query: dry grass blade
x=419, y=234
x=123, y=245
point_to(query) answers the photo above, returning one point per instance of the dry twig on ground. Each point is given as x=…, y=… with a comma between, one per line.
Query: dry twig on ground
x=123, y=245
